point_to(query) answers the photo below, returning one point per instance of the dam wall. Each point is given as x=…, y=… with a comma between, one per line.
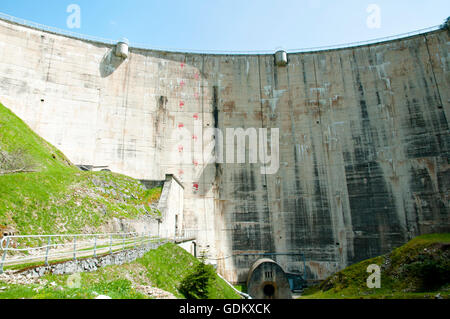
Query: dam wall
x=363, y=143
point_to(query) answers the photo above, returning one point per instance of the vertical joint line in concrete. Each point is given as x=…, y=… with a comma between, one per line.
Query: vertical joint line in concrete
x=318, y=95
x=202, y=85
x=50, y=62
x=291, y=107
x=262, y=111
x=125, y=104
x=432, y=71
x=264, y=146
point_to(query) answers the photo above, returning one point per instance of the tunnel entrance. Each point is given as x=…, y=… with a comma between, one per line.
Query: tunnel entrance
x=269, y=290
x=267, y=280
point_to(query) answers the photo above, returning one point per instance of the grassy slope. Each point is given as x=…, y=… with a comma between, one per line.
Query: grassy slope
x=59, y=198
x=407, y=272
x=164, y=268
x=168, y=265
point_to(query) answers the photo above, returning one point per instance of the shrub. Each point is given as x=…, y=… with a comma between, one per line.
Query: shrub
x=430, y=273
x=196, y=284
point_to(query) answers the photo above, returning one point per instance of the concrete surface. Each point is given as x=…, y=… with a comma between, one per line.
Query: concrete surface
x=364, y=138
x=171, y=206
x=190, y=247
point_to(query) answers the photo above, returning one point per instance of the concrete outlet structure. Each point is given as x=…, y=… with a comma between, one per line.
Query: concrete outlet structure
x=363, y=138
x=267, y=280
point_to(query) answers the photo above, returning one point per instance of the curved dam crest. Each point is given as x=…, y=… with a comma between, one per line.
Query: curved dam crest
x=363, y=138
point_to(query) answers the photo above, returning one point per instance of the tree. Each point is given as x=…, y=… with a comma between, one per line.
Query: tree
x=196, y=284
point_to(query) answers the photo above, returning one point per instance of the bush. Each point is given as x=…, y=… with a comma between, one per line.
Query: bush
x=430, y=273
x=196, y=284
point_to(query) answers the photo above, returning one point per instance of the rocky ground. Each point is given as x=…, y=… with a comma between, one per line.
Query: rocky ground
x=12, y=278
x=154, y=292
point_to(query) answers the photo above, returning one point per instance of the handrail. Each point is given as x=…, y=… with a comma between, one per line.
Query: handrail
x=143, y=46
x=77, y=245
x=43, y=27
x=366, y=42
x=292, y=51
x=69, y=235
x=55, y=236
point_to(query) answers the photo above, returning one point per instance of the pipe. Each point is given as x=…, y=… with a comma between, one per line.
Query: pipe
x=242, y=294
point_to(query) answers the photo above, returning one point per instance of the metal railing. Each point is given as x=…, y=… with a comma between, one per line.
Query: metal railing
x=47, y=28
x=186, y=235
x=367, y=42
x=7, y=17
x=292, y=51
x=34, y=249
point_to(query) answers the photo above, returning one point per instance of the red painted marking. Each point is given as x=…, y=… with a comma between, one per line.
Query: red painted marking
x=181, y=104
x=196, y=186
x=196, y=116
x=180, y=148
x=182, y=65
x=195, y=163
x=194, y=137
x=197, y=76
x=181, y=125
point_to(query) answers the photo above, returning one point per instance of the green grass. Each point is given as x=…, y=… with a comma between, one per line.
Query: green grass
x=223, y=291
x=164, y=268
x=169, y=264
x=119, y=289
x=57, y=197
x=16, y=135
x=418, y=269
x=152, y=195
x=241, y=288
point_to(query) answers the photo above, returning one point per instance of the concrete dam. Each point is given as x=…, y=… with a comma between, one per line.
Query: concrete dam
x=361, y=163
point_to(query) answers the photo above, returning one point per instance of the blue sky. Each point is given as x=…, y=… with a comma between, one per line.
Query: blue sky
x=235, y=24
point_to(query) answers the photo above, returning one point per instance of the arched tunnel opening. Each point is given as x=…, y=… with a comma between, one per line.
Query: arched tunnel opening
x=267, y=280
x=269, y=290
